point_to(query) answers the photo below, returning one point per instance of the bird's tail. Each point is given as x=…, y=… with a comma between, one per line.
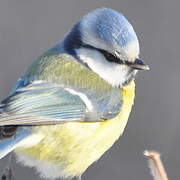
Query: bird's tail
x=9, y=144
x=10, y=136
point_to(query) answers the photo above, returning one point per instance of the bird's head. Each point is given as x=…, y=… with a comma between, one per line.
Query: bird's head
x=105, y=42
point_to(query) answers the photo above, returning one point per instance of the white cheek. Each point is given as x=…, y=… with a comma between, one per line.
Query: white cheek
x=113, y=73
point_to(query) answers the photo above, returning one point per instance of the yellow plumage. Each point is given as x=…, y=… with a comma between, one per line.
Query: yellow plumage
x=76, y=145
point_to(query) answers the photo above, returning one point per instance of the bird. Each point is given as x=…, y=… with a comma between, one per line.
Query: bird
x=73, y=103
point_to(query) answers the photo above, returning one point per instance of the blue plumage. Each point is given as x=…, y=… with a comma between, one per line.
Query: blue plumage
x=112, y=27
x=105, y=25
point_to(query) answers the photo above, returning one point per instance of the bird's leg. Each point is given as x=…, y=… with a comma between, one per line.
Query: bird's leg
x=7, y=174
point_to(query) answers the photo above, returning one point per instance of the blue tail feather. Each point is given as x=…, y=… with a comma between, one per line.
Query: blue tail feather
x=8, y=145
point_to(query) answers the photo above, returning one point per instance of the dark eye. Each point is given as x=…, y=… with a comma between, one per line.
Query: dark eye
x=112, y=58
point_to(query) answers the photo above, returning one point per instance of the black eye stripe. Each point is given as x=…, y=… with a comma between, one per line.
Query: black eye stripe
x=110, y=57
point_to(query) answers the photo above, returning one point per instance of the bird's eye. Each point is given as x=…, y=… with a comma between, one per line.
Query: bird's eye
x=112, y=58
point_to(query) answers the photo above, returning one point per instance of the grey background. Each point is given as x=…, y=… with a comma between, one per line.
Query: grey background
x=29, y=27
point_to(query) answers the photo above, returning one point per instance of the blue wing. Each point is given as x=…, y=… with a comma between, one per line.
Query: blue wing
x=42, y=102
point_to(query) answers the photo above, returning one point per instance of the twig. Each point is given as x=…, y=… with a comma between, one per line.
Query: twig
x=156, y=166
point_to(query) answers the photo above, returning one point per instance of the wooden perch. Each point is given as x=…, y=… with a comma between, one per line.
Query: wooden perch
x=156, y=166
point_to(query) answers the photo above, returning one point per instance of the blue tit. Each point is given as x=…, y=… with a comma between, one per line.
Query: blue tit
x=74, y=101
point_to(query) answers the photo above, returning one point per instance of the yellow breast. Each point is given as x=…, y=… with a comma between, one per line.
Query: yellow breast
x=76, y=145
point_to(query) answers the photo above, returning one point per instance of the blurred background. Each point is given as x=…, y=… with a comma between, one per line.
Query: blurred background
x=29, y=27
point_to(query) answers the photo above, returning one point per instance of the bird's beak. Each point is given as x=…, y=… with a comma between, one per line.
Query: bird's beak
x=139, y=65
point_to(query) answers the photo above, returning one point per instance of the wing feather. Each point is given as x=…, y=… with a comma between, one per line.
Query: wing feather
x=38, y=102
x=42, y=103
